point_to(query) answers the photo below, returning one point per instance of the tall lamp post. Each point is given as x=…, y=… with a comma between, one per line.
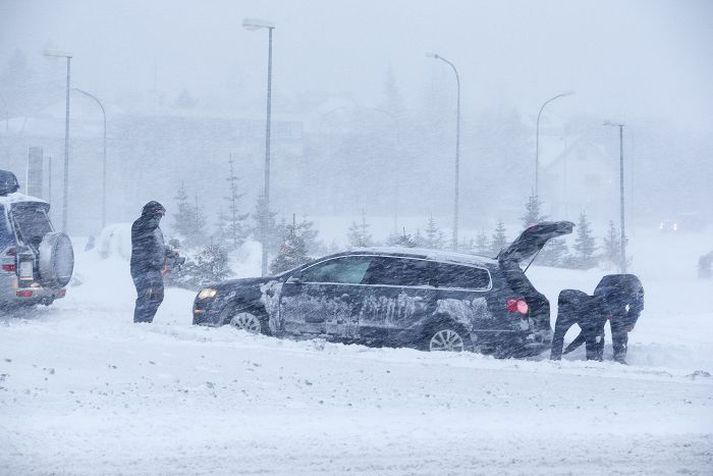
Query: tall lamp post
x=457, y=164
x=91, y=96
x=622, y=264
x=7, y=114
x=65, y=199
x=537, y=139
x=252, y=25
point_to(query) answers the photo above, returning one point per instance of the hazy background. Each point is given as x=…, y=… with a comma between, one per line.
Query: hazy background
x=184, y=86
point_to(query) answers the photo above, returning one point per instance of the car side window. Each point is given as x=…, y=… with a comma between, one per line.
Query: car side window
x=464, y=277
x=347, y=270
x=392, y=271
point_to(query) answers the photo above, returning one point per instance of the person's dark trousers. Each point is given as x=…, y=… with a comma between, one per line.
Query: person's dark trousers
x=620, y=340
x=569, y=306
x=593, y=331
x=577, y=307
x=149, y=291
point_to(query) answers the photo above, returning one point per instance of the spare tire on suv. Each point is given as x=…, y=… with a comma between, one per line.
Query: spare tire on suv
x=56, y=260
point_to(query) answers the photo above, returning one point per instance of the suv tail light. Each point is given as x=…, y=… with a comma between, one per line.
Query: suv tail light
x=9, y=260
x=517, y=305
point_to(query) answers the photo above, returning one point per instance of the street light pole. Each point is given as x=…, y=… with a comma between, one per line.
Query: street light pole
x=457, y=164
x=537, y=139
x=7, y=115
x=251, y=24
x=65, y=200
x=622, y=264
x=91, y=96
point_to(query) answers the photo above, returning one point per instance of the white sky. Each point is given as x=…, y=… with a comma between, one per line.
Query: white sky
x=624, y=59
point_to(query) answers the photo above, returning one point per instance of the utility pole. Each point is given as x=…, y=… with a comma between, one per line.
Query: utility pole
x=252, y=24
x=537, y=139
x=101, y=106
x=456, y=193
x=622, y=264
x=621, y=196
x=65, y=199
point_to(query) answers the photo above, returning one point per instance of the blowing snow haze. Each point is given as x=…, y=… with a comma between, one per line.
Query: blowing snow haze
x=417, y=237
x=363, y=121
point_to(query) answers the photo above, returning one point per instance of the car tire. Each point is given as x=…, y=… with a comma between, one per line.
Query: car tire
x=247, y=321
x=448, y=337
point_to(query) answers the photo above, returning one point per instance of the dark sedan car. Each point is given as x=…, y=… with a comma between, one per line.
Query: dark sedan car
x=427, y=299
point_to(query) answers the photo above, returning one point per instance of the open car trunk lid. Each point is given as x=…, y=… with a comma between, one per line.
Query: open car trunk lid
x=533, y=239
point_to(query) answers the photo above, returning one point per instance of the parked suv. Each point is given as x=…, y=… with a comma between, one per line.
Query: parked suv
x=427, y=299
x=36, y=263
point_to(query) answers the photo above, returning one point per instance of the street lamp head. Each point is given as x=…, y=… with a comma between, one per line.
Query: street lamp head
x=57, y=54
x=610, y=123
x=253, y=24
x=432, y=55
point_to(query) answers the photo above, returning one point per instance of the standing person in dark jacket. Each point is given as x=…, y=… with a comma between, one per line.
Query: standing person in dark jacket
x=148, y=257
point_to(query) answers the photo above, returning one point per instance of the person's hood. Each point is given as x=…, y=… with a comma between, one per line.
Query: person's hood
x=534, y=238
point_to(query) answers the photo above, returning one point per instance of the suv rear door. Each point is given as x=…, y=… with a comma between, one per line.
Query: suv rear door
x=31, y=222
x=463, y=294
x=534, y=238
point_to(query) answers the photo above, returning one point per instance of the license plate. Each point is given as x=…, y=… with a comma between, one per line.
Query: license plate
x=26, y=270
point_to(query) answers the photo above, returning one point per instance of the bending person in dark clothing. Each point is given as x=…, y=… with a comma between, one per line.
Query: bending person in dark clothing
x=148, y=256
x=578, y=307
x=620, y=299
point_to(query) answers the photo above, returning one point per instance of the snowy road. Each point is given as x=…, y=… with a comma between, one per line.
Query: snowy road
x=84, y=391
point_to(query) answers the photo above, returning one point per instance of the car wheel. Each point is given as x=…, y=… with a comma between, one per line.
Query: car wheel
x=247, y=322
x=447, y=339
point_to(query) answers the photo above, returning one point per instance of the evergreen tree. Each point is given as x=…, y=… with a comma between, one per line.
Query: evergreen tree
x=612, y=245
x=402, y=240
x=467, y=245
x=232, y=226
x=584, y=244
x=293, y=250
x=499, y=239
x=532, y=214
x=189, y=220
x=554, y=253
x=211, y=265
x=305, y=229
x=266, y=230
x=433, y=236
x=358, y=235
x=393, y=102
x=481, y=246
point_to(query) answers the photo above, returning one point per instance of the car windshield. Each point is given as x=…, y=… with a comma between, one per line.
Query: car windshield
x=31, y=222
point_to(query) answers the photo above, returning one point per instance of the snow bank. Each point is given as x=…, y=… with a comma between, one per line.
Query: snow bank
x=83, y=391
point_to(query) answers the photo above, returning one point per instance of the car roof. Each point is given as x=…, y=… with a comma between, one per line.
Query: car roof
x=18, y=197
x=421, y=253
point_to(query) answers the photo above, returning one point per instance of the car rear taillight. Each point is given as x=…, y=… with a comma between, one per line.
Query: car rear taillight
x=24, y=293
x=9, y=260
x=517, y=305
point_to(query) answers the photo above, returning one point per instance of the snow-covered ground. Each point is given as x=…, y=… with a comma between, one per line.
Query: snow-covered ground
x=85, y=391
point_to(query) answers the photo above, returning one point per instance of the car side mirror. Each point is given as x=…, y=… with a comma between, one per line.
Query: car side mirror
x=294, y=280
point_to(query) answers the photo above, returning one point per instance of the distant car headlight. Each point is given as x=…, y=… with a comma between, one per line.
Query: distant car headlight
x=207, y=293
